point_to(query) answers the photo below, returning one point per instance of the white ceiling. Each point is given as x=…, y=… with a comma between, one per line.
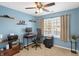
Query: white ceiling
x=59, y=6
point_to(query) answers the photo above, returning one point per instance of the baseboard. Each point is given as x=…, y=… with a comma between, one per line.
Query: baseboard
x=65, y=48
x=56, y=46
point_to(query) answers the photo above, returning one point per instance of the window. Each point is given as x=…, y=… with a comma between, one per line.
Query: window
x=52, y=27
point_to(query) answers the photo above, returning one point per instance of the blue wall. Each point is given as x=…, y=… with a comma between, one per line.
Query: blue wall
x=9, y=25
x=74, y=22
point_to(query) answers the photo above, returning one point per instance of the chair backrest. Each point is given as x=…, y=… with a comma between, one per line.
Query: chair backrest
x=39, y=34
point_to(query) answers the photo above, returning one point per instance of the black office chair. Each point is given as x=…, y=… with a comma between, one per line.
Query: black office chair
x=38, y=40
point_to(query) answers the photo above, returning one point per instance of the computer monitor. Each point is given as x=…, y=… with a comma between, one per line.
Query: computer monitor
x=28, y=29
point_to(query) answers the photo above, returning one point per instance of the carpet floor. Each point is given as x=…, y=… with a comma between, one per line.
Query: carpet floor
x=43, y=51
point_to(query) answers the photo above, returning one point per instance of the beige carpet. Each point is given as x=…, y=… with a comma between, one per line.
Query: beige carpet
x=54, y=51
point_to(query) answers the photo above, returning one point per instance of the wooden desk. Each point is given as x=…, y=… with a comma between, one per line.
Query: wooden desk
x=30, y=36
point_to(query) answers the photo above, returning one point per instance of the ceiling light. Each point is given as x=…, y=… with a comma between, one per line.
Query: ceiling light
x=41, y=10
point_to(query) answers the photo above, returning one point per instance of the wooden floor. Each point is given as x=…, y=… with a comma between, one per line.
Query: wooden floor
x=43, y=51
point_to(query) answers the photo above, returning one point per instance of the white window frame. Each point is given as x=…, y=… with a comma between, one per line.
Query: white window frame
x=55, y=27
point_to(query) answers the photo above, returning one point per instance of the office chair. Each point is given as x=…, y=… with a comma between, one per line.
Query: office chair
x=38, y=40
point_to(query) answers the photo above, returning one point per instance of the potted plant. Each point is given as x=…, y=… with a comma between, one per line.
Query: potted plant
x=74, y=41
x=74, y=38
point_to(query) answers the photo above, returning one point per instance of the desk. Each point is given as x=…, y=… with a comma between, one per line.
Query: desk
x=29, y=36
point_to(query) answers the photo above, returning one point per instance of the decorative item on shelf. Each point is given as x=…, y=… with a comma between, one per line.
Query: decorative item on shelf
x=7, y=16
x=74, y=44
x=32, y=21
x=21, y=22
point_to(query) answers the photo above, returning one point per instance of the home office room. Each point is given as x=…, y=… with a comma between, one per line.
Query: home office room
x=39, y=29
